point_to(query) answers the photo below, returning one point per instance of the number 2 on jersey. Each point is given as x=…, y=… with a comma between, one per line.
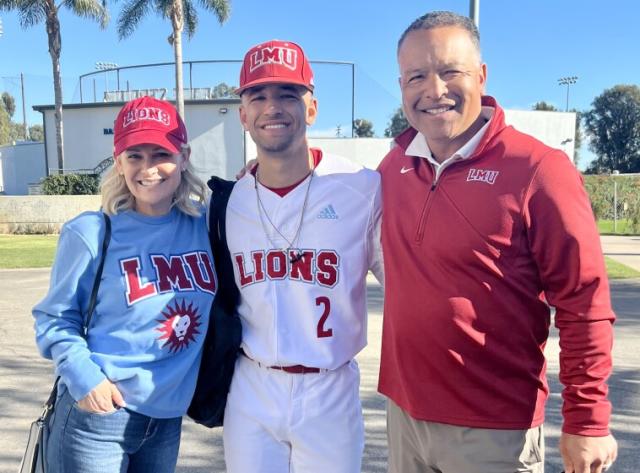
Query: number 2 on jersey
x=326, y=303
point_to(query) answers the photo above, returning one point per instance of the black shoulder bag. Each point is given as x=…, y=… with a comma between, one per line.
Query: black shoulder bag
x=34, y=459
x=224, y=333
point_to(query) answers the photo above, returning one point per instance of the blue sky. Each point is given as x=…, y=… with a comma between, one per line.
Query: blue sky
x=527, y=46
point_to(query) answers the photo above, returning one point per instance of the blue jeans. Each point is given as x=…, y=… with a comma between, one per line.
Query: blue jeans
x=118, y=442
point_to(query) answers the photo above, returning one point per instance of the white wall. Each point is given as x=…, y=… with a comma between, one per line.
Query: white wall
x=219, y=145
x=216, y=138
x=552, y=128
x=20, y=165
x=42, y=213
x=366, y=151
x=555, y=129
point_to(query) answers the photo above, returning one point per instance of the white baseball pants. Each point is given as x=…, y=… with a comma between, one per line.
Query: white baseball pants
x=278, y=422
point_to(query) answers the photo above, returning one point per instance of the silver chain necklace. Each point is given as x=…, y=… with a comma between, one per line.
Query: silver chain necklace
x=263, y=210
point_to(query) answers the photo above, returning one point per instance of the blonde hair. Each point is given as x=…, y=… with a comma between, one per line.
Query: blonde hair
x=117, y=197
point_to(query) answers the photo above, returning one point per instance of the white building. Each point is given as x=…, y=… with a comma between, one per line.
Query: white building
x=20, y=164
x=215, y=134
x=219, y=144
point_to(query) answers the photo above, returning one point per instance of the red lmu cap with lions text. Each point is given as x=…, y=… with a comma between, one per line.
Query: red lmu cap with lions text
x=275, y=62
x=147, y=120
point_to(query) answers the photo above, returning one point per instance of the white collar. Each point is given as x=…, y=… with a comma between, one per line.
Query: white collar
x=419, y=146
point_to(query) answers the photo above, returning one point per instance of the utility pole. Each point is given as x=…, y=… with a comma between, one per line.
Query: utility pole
x=474, y=12
x=24, y=114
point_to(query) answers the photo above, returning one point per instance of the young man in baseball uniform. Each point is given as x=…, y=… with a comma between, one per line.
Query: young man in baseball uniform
x=302, y=231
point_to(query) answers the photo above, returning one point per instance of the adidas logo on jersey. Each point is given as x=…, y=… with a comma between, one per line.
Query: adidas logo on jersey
x=328, y=212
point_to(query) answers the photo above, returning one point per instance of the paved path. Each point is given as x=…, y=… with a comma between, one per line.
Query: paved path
x=624, y=249
x=25, y=381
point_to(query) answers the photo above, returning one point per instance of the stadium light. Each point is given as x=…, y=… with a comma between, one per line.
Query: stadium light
x=105, y=66
x=568, y=81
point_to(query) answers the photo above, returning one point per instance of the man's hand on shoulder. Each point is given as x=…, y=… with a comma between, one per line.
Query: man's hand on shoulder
x=582, y=454
x=248, y=168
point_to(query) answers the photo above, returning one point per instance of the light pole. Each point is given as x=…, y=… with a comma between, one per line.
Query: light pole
x=568, y=81
x=106, y=66
x=474, y=12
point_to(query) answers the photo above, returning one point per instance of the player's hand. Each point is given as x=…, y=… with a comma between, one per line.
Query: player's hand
x=582, y=454
x=102, y=399
x=252, y=163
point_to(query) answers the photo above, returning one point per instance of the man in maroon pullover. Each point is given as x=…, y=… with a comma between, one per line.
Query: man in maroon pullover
x=482, y=226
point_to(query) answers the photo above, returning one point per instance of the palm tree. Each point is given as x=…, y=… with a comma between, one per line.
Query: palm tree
x=33, y=12
x=182, y=13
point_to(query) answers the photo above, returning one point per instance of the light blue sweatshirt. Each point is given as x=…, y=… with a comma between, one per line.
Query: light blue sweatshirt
x=152, y=310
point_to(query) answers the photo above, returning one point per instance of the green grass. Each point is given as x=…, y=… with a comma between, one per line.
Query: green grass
x=617, y=270
x=37, y=251
x=27, y=251
x=623, y=227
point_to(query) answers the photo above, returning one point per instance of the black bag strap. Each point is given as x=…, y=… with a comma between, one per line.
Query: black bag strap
x=228, y=293
x=96, y=282
x=224, y=333
x=48, y=406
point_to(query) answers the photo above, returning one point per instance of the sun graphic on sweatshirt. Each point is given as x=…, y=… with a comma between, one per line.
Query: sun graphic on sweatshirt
x=179, y=326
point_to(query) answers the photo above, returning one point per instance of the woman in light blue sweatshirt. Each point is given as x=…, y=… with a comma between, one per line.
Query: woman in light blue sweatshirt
x=124, y=389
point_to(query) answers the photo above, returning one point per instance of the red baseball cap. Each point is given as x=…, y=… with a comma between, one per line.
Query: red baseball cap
x=148, y=120
x=275, y=62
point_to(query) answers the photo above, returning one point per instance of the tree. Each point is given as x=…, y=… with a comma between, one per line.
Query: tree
x=362, y=128
x=181, y=13
x=5, y=127
x=613, y=127
x=223, y=90
x=36, y=133
x=544, y=106
x=9, y=103
x=33, y=12
x=397, y=124
x=16, y=131
x=577, y=136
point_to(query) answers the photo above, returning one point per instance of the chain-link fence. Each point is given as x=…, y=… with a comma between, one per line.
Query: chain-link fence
x=615, y=200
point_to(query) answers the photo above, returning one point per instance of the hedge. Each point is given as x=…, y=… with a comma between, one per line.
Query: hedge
x=601, y=189
x=71, y=184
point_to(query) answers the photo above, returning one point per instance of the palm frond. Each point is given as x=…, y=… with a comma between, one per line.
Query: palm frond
x=190, y=17
x=8, y=5
x=31, y=12
x=92, y=9
x=164, y=8
x=221, y=8
x=131, y=14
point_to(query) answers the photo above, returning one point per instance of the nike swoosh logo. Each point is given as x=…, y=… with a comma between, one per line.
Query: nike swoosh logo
x=405, y=170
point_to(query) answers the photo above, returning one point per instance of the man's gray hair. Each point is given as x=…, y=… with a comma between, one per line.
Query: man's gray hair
x=438, y=19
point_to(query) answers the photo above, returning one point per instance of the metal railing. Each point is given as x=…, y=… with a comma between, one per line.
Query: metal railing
x=125, y=92
x=101, y=167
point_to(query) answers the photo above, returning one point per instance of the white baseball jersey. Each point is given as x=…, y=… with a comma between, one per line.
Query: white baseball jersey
x=311, y=311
